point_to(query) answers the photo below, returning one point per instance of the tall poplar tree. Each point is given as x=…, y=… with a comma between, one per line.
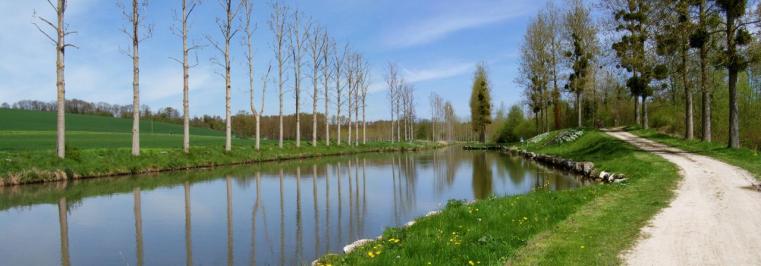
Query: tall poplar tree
x=480, y=102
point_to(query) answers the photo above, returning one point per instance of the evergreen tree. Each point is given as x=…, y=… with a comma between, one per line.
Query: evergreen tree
x=480, y=102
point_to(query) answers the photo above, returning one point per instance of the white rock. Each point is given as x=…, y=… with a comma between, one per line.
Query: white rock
x=619, y=180
x=350, y=247
x=431, y=213
x=410, y=223
x=604, y=175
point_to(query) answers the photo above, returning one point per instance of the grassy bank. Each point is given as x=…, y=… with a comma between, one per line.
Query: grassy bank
x=588, y=226
x=747, y=159
x=43, y=166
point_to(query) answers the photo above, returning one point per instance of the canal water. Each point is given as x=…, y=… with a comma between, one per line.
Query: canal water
x=279, y=213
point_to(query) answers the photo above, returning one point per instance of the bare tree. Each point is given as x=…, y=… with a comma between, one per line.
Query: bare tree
x=364, y=86
x=277, y=25
x=298, y=38
x=228, y=31
x=358, y=75
x=248, y=41
x=407, y=102
x=258, y=115
x=61, y=31
x=398, y=109
x=134, y=17
x=338, y=62
x=326, y=71
x=350, y=92
x=183, y=33
x=392, y=83
x=317, y=43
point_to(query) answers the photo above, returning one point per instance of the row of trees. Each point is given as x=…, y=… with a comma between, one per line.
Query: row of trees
x=401, y=99
x=556, y=43
x=443, y=119
x=662, y=56
x=295, y=37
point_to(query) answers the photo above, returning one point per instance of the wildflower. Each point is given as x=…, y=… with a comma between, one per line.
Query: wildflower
x=582, y=246
x=471, y=263
x=371, y=254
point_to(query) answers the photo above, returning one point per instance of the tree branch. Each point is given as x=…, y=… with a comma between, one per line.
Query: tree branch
x=45, y=33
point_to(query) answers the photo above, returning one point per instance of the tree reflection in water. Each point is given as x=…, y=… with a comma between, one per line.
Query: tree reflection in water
x=361, y=195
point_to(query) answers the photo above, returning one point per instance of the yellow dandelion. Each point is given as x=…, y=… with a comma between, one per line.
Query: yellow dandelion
x=471, y=262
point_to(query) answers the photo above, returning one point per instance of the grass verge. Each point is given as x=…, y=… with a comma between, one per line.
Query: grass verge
x=43, y=166
x=747, y=159
x=588, y=226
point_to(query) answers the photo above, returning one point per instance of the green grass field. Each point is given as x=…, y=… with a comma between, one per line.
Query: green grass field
x=100, y=146
x=586, y=226
x=32, y=130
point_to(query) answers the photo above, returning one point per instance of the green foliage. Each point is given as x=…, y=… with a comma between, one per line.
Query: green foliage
x=480, y=101
x=511, y=130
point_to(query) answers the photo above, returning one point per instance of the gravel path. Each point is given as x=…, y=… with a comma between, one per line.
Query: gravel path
x=714, y=219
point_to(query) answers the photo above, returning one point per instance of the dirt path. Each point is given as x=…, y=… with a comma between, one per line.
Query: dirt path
x=714, y=219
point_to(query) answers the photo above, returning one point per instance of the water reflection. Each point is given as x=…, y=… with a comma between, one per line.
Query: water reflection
x=482, y=177
x=138, y=226
x=64, y=230
x=188, y=234
x=343, y=199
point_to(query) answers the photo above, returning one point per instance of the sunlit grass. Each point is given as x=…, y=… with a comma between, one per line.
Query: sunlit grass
x=586, y=226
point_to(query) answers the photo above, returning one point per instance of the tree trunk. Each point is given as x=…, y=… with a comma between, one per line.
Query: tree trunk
x=135, y=81
x=327, y=100
x=707, y=95
x=705, y=88
x=688, y=121
x=556, y=106
x=280, y=84
x=364, y=120
x=298, y=104
x=228, y=85
x=338, y=107
x=645, y=122
x=185, y=83
x=398, y=124
x=482, y=134
x=348, y=139
x=60, y=83
x=258, y=118
x=314, y=108
x=636, y=111
x=392, y=124
x=578, y=109
x=356, y=116
x=734, y=121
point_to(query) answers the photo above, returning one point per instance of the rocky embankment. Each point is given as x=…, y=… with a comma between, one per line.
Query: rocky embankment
x=585, y=169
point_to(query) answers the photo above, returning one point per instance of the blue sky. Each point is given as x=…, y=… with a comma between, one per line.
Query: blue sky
x=435, y=43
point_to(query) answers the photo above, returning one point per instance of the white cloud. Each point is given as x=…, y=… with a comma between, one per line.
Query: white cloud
x=416, y=75
x=458, y=16
x=438, y=72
